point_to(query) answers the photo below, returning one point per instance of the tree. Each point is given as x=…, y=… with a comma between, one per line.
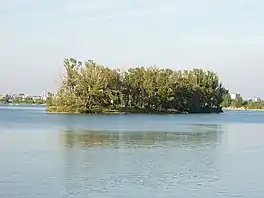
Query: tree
x=89, y=87
x=238, y=102
x=227, y=101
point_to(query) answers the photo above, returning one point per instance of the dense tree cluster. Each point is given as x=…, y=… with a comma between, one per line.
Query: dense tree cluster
x=90, y=87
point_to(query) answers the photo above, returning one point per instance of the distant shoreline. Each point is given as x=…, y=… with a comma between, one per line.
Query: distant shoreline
x=128, y=112
x=17, y=104
x=241, y=109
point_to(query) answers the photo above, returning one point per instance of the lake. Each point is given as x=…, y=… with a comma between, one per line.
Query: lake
x=130, y=156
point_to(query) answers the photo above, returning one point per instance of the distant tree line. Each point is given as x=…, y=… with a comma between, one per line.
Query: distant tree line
x=241, y=103
x=28, y=101
x=18, y=100
x=89, y=88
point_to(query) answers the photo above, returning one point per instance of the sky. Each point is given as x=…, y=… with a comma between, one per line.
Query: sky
x=224, y=36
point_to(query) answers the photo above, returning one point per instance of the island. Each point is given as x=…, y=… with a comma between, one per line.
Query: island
x=88, y=87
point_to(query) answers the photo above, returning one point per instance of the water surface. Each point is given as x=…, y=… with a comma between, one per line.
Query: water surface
x=56, y=155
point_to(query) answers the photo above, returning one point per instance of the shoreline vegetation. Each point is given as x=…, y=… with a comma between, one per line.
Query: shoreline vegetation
x=53, y=109
x=241, y=104
x=87, y=87
x=22, y=103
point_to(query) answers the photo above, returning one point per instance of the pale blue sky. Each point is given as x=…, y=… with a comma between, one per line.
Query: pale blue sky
x=226, y=36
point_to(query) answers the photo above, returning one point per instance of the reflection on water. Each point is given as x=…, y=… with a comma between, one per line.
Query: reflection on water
x=141, y=164
x=194, y=135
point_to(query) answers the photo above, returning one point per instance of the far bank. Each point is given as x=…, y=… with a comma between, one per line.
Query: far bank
x=241, y=109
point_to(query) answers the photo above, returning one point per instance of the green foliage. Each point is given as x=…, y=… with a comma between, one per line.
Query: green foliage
x=227, y=101
x=237, y=102
x=23, y=101
x=255, y=104
x=88, y=86
x=4, y=99
x=241, y=103
x=49, y=101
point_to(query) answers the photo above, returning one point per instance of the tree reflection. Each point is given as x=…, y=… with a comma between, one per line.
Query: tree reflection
x=185, y=136
x=95, y=159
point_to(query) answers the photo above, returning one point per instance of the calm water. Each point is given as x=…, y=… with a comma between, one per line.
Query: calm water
x=130, y=156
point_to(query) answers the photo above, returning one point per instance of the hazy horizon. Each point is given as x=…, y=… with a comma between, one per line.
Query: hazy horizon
x=223, y=36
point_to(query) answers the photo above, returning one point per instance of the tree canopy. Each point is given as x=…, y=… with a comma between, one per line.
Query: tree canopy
x=91, y=87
